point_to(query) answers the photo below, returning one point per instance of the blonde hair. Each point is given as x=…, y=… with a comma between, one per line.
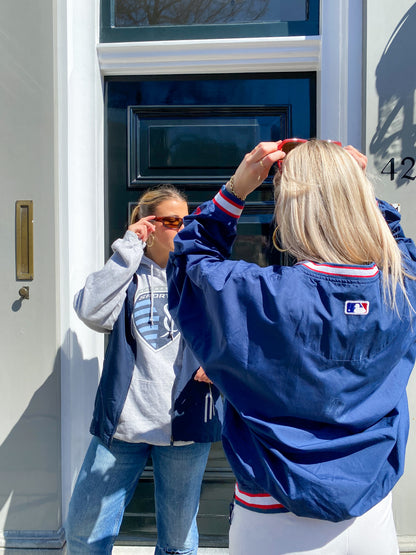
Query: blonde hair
x=326, y=211
x=150, y=200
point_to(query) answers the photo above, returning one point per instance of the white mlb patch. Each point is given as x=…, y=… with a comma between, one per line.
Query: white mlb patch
x=358, y=308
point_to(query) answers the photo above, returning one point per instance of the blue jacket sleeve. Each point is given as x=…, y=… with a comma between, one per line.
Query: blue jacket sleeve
x=406, y=245
x=198, y=273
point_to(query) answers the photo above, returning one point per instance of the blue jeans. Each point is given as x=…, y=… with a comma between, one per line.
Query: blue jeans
x=106, y=484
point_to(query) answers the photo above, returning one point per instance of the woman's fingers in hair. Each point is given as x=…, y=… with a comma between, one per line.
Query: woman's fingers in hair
x=255, y=167
x=358, y=156
x=266, y=154
x=143, y=228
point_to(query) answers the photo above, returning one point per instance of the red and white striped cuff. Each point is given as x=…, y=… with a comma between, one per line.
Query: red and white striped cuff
x=228, y=203
x=260, y=502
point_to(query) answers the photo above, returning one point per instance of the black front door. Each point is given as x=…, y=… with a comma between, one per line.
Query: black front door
x=193, y=132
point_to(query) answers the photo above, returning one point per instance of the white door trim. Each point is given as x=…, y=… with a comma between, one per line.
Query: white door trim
x=210, y=56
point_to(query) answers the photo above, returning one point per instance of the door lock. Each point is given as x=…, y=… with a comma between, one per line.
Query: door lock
x=24, y=292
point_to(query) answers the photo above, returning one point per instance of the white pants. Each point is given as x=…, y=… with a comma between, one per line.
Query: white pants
x=254, y=533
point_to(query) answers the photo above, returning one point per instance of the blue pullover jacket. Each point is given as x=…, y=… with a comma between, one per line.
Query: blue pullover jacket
x=312, y=362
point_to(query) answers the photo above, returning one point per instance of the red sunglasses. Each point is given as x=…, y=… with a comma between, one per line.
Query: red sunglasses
x=171, y=222
x=289, y=144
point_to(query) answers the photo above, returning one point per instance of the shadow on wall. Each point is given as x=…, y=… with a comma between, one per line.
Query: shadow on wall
x=395, y=137
x=30, y=459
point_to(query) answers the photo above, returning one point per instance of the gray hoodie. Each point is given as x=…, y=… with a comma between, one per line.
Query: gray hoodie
x=161, y=352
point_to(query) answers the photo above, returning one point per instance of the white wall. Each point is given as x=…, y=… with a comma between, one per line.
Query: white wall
x=389, y=127
x=30, y=474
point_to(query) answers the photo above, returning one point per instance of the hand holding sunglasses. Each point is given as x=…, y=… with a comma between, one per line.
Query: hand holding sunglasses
x=143, y=228
x=254, y=169
x=256, y=165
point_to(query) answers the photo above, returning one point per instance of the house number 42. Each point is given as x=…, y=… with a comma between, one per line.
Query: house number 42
x=406, y=171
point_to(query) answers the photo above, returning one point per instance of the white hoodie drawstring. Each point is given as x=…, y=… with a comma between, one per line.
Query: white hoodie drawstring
x=209, y=405
x=151, y=295
x=171, y=328
x=151, y=321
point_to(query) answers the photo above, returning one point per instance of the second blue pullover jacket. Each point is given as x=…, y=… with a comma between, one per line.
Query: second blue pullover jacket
x=312, y=362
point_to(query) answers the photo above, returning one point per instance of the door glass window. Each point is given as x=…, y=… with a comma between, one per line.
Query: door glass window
x=128, y=13
x=138, y=20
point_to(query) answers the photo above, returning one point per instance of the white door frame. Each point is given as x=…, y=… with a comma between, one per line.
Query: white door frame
x=81, y=65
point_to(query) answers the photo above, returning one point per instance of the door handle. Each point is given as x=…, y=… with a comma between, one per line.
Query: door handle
x=24, y=240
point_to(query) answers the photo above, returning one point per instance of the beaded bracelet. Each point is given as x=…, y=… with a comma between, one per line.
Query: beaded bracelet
x=231, y=184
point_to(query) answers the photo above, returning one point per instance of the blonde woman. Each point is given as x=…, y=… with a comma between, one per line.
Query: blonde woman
x=313, y=359
x=153, y=398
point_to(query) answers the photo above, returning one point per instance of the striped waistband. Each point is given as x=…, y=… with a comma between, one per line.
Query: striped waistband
x=259, y=502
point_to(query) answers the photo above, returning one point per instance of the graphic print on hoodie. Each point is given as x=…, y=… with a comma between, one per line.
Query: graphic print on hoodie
x=146, y=414
x=152, y=319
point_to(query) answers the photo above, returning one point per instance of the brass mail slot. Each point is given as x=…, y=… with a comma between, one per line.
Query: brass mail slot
x=24, y=239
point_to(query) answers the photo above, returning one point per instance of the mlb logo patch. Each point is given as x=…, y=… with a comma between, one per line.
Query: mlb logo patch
x=359, y=308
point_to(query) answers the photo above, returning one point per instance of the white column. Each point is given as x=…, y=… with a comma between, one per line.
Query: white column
x=79, y=167
x=340, y=79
